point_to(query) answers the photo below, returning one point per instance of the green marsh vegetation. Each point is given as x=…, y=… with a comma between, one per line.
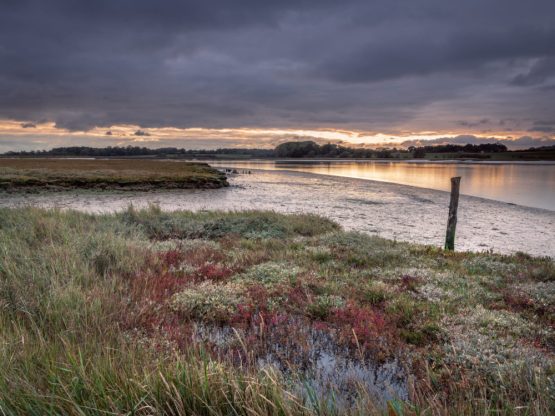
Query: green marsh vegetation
x=129, y=174
x=147, y=312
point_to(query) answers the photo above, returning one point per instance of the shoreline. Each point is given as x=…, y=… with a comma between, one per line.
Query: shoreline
x=274, y=159
x=384, y=209
x=519, y=184
x=133, y=175
x=377, y=181
x=377, y=160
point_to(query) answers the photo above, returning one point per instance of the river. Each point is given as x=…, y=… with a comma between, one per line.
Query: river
x=530, y=184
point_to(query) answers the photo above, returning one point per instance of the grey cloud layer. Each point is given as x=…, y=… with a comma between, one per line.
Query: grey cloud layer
x=215, y=63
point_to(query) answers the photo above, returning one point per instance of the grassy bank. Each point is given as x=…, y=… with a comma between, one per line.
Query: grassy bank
x=56, y=174
x=146, y=312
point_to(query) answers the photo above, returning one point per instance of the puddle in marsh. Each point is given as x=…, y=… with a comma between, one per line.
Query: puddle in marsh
x=314, y=364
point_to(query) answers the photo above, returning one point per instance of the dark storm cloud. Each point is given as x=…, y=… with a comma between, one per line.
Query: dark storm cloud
x=543, y=129
x=391, y=56
x=250, y=63
x=28, y=125
x=541, y=71
x=474, y=123
x=141, y=133
x=544, y=122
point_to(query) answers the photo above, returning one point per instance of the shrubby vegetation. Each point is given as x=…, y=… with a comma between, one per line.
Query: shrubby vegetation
x=302, y=149
x=420, y=152
x=311, y=149
x=133, y=151
x=147, y=312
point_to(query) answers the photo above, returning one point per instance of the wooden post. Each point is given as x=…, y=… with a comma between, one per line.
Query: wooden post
x=452, y=221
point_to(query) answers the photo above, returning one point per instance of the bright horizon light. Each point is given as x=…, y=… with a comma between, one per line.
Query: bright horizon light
x=34, y=136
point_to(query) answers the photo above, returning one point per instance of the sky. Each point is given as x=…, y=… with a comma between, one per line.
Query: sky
x=254, y=73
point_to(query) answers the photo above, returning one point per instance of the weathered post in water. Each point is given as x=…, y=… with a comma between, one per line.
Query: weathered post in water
x=452, y=220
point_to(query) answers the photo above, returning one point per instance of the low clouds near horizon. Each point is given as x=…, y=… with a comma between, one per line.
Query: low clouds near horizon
x=45, y=142
x=478, y=67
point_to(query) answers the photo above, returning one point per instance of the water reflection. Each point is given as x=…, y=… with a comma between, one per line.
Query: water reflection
x=528, y=184
x=314, y=361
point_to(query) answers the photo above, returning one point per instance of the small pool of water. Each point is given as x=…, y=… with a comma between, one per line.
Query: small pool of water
x=315, y=365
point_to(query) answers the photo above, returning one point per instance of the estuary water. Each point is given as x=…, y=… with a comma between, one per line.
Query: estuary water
x=390, y=210
x=530, y=184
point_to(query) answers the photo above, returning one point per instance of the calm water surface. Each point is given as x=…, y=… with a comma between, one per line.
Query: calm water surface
x=530, y=184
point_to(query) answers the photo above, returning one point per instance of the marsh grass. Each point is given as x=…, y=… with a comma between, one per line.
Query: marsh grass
x=97, y=315
x=58, y=174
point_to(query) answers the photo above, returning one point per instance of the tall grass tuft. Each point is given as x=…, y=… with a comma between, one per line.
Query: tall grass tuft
x=63, y=287
x=86, y=302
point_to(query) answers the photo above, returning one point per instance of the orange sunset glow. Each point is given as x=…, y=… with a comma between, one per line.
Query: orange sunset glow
x=43, y=135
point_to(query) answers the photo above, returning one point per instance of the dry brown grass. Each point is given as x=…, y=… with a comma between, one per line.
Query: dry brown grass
x=53, y=174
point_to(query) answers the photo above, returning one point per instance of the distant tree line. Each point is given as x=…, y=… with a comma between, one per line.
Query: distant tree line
x=305, y=149
x=329, y=150
x=312, y=149
x=130, y=151
x=419, y=152
x=539, y=149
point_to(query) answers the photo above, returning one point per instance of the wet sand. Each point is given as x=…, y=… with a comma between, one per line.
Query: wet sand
x=389, y=210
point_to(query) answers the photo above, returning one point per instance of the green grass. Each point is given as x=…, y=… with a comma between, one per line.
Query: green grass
x=128, y=174
x=98, y=316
